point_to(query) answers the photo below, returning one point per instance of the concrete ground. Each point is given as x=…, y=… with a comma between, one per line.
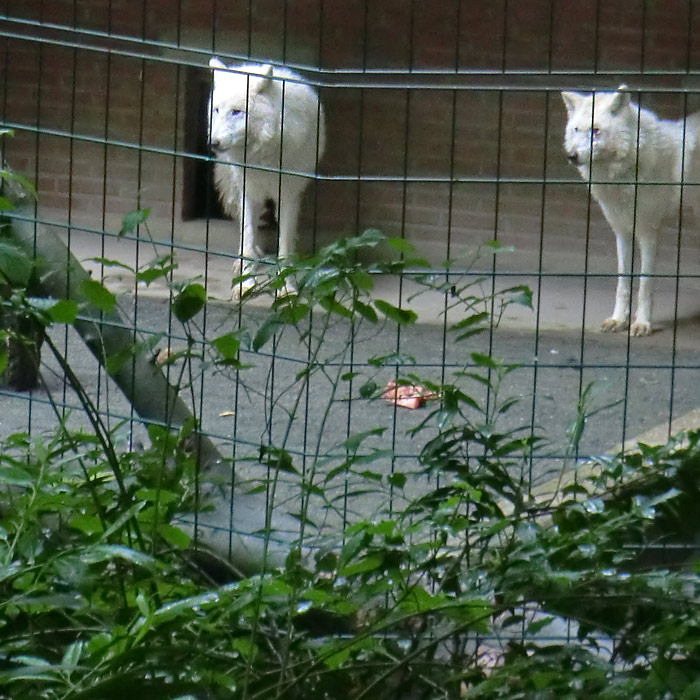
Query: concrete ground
x=640, y=384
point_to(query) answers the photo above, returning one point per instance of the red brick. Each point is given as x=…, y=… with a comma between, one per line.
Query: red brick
x=378, y=132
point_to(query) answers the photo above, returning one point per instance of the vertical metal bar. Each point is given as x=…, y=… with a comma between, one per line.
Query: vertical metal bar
x=207, y=239
x=451, y=185
x=309, y=352
x=676, y=294
x=102, y=376
x=589, y=210
x=497, y=200
x=358, y=205
x=71, y=152
x=540, y=257
x=628, y=351
x=404, y=195
x=36, y=176
x=139, y=181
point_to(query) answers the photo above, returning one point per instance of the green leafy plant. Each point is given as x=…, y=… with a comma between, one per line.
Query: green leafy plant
x=463, y=582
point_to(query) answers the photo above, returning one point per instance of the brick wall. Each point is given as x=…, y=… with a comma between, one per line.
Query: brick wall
x=472, y=135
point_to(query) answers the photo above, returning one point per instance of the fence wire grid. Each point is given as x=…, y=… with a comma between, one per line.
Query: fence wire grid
x=434, y=134
x=444, y=129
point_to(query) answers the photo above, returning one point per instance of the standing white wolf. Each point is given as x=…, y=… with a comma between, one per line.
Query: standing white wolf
x=622, y=150
x=266, y=125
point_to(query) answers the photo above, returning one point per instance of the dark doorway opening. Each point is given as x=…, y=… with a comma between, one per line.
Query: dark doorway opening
x=199, y=197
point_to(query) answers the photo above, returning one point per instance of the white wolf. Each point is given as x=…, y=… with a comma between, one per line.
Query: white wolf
x=266, y=125
x=622, y=150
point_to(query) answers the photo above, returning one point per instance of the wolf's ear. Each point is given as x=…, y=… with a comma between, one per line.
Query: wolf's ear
x=216, y=63
x=572, y=100
x=263, y=78
x=620, y=99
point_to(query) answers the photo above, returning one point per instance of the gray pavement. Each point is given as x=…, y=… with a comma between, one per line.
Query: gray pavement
x=639, y=384
x=649, y=380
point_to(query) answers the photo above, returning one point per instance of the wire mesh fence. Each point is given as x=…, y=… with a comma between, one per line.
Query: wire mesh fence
x=449, y=258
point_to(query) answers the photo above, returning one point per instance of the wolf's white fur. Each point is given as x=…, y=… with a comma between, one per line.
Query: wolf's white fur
x=622, y=150
x=263, y=120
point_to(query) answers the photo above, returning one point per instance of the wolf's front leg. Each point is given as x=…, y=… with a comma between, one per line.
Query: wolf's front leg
x=621, y=312
x=288, y=215
x=642, y=320
x=247, y=249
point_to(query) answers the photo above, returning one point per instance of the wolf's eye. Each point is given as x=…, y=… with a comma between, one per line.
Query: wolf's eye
x=595, y=131
x=216, y=110
x=234, y=112
x=576, y=129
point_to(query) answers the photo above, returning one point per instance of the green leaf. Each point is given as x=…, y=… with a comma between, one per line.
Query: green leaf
x=109, y=262
x=32, y=661
x=185, y=606
x=15, y=476
x=332, y=305
x=156, y=496
x=174, y=535
x=291, y=311
x=277, y=458
x=365, y=310
x=354, y=441
x=418, y=600
x=361, y=279
x=397, y=479
x=400, y=244
x=246, y=647
x=151, y=274
x=394, y=358
x=369, y=563
x=265, y=332
x=470, y=321
x=497, y=246
x=97, y=295
x=189, y=302
x=15, y=264
x=6, y=204
x=71, y=656
x=521, y=294
x=143, y=605
x=481, y=360
x=401, y=316
x=63, y=311
x=538, y=625
x=108, y=552
x=227, y=346
x=133, y=220
x=368, y=389
x=26, y=184
x=115, y=361
x=370, y=237
x=88, y=524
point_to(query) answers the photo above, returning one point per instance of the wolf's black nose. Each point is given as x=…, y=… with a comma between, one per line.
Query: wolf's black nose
x=573, y=158
x=214, y=145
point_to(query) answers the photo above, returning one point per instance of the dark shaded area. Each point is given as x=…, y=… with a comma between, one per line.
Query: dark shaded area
x=199, y=198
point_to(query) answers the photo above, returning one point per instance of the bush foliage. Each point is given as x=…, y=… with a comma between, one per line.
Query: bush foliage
x=477, y=587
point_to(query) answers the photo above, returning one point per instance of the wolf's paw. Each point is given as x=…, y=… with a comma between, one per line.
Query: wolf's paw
x=241, y=287
x=612, y=325
x=640, y=328
x=287, y=289
x=243, y=278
